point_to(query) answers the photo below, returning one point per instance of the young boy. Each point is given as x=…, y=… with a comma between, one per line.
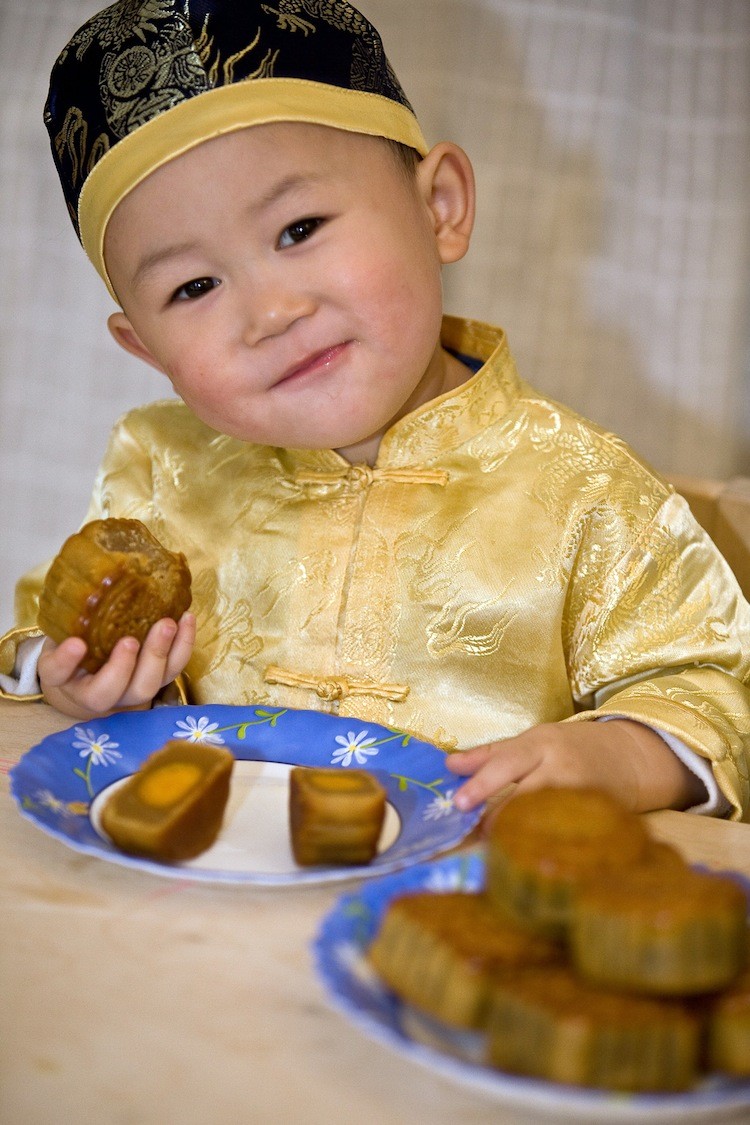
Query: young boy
x=381, y=518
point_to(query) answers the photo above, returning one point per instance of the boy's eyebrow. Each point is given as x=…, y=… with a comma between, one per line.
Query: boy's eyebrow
x=284, y=187
x=150, y=261
x=276, y=192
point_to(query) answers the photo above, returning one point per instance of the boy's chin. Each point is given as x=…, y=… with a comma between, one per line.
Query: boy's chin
x=339, y=434
x=343, y=439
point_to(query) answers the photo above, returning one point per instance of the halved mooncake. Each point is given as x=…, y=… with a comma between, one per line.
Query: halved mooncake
x=335, y=815
x=111, y=579
x=172, y=808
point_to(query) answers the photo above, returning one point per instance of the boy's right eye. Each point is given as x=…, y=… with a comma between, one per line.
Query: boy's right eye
x=198, y=287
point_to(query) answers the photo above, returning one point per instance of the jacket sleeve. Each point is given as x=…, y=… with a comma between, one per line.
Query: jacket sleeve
x=661, y=634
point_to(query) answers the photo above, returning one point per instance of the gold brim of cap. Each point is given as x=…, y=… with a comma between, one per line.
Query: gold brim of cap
x=224, y=110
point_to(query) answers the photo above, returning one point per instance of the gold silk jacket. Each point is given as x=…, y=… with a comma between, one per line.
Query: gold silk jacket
x=505, y=563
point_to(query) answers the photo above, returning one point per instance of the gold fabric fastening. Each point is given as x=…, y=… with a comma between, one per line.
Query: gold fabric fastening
x=333, y=688
x=362, y=476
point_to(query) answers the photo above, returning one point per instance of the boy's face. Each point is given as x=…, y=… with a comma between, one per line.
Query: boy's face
x=287, y=280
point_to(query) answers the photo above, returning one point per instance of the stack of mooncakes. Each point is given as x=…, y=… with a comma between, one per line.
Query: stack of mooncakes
x=594, y=955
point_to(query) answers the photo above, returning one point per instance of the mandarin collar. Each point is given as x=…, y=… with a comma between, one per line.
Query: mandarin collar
x=445, y=423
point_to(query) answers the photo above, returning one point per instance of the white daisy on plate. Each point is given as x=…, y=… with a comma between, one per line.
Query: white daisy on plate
x=98, y=747
x=201, y=731
x=440, y=806
x=353, y=747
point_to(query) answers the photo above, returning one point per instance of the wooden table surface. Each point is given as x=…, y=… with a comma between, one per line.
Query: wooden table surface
x=130, y=999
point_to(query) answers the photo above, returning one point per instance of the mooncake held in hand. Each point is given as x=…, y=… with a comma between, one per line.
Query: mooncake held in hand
x=172, y=808
x=111, y=579
x=335, y=815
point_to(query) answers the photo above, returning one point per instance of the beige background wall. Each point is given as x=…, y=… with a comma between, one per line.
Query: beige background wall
x=611, y=140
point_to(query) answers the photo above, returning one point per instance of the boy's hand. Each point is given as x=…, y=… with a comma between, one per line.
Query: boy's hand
x=133, y=675
x=621, y=756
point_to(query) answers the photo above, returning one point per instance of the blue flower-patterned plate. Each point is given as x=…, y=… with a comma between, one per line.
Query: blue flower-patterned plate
x=355, y=989
x=62, y=783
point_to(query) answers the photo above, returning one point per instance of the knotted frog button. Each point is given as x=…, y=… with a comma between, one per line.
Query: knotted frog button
x=330, y=690
x=360, y=477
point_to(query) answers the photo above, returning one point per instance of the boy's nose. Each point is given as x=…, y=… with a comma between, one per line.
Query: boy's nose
x=271, y=309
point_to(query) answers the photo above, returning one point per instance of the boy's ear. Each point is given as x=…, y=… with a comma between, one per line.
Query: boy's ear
x=126, y=336
x=446, y=180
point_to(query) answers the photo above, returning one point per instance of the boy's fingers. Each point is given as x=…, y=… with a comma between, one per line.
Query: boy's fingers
x=492, y=775
x=148, y=674
x=471, y=794
x=182, y=647
x=480, y=788
x=468, y=761
x=101, y=690
x=85, y=693
x=483, y=764
x=159, y=639
x=166, y=650
x=58, y=663
x=132, y=675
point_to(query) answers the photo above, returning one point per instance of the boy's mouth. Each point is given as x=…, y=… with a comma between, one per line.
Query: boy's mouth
x=312, y=363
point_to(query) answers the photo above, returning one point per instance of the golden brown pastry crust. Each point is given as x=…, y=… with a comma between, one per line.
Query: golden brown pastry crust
x=111, y=579
x=549, y=1024
x=728, y=1039
x=542, y=845
x=548, y=1020
x=660, y=930
x=441, y=951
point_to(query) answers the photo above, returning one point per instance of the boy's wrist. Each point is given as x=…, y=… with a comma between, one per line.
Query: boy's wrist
x=666, y=780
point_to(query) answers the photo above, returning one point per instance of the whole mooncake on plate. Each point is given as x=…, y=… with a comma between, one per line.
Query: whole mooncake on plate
x=111, y=579
x=543, y=845
x=441, y=951
x=728, y=1038
x=548, y=1024
x=660, y=930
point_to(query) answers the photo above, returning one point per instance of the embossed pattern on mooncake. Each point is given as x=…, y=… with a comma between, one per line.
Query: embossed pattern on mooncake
x=111, y=579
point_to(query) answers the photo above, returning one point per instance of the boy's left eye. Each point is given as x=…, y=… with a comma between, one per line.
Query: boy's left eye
x=298, y=232
x=198, y=287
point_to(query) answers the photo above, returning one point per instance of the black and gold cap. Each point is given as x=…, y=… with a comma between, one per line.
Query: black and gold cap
x=146, y=80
